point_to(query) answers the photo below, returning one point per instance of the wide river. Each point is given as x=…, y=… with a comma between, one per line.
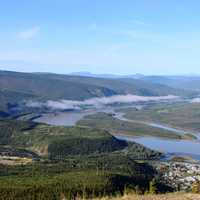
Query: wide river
x=177, y=147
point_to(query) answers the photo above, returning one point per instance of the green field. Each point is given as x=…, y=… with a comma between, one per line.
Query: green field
x=118, y=127
x=185, y=116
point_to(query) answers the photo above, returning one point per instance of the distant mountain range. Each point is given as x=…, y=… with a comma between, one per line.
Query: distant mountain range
x=16, y=87
x=180, y=82
x=186, y=82
x=113, y=76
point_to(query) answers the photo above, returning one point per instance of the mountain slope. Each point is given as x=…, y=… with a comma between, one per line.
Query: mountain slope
x=179, y=82
x=72, y=161
x=59, y=142
x=75, y=87
x=16, y=87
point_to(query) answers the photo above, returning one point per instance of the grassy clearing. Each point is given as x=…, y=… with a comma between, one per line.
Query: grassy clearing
x=172, y=196
x=8, y=160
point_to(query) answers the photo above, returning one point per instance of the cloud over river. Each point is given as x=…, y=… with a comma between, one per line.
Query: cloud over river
x=97, y=101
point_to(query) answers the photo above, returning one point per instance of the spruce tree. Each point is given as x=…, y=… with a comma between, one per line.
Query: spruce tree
x=152, y=187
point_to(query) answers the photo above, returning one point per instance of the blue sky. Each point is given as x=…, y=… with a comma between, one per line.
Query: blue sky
x=100, y=36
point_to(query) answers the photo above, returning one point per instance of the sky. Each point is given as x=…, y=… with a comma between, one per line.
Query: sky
x=100, y=36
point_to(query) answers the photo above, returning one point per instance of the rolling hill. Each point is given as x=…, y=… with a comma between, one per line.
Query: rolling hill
x=70, y=161
x=179, y=82
x=55, y=141
x=16, y=87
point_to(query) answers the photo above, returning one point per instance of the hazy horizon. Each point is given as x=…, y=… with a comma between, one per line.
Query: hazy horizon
x=89, y=73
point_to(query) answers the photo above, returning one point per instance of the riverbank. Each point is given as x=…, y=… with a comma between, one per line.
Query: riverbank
x=182, y=116
x=116, y=126
x=159, y=138
x=170, y=147
x=132, y=127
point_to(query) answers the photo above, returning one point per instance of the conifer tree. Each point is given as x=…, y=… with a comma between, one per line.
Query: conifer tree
x=152, y=187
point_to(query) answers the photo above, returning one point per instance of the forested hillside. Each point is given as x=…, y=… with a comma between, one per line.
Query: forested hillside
x=16, y=87
x=44, y=162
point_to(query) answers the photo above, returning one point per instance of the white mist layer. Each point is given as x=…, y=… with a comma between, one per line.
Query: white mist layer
x=195, y=100
x=97, y=102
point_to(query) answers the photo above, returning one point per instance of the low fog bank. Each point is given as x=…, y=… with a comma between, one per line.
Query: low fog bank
x=96, y=102
x=195, y=100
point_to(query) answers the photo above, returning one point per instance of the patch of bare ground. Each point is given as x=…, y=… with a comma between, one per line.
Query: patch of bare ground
x=12, y=160
x=172, y=196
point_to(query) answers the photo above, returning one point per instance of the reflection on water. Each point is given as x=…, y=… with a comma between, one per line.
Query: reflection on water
x=70, y=118
x=179, y=147
x=63, y=118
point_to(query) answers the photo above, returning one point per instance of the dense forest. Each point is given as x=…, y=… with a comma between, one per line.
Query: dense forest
x=69, y=162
